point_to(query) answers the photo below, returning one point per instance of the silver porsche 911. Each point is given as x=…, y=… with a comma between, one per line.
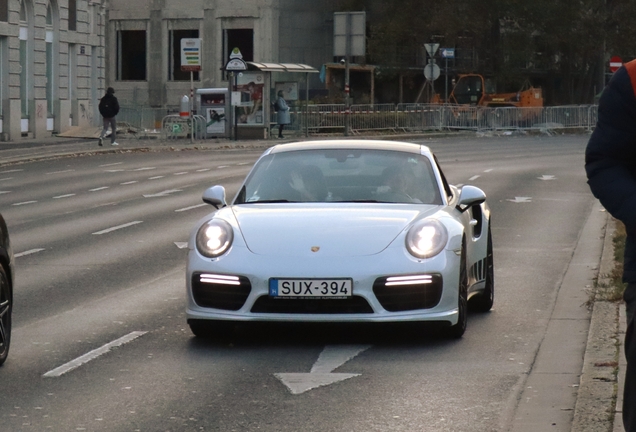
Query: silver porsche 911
x=342, y=231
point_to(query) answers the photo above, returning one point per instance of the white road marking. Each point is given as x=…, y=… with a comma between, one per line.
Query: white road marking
x=180, y=173
x=521, y=200
x=547, y=177
x=181, y=245
x=163, y=193
x=24, y=203
x=29, y=252
x=331, y=358
x=98, y=189
x=475, y=177
x=155, y=177
x=63, y=196
x=4, y=192
x=111, y=164
x=243, y=163
x=191, y=207
x=145, y=169
x=60, y=172
x=92, y=355
x=115, y=228
x=130, y=182
x=114, y=171
x=6, y=178
x=488, y=170
x=221, y=166
x=11, y=171
x=203, y=170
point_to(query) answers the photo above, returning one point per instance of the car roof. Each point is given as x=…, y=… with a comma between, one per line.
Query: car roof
x=354, y=145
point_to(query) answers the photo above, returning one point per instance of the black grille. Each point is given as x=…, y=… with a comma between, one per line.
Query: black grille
x=399, y=298
x=220, y=295
x=352, y=305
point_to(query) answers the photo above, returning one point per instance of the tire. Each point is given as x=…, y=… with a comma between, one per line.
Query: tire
x=457, y=331
x=6, y=307
x=483, y=302
x=209, y=329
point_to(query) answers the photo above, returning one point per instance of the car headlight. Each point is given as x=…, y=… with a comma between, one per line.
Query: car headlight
x=214, y=238
x=426, y=238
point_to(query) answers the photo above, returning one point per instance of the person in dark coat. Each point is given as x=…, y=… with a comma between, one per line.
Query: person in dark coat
x=282, y=115
x=610, y=164
x=109, y=108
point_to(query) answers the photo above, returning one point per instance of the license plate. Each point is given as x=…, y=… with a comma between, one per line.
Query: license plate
x=311, y=288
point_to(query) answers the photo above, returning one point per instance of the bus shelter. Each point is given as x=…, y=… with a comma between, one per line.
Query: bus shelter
x=256, y=89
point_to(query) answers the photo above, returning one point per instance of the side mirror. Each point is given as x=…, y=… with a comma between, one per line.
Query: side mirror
x=470, y=196
x=215, y=196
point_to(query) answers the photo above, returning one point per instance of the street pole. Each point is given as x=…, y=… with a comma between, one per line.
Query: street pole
x=347, y=88
x=191, y=106
x=446, y=81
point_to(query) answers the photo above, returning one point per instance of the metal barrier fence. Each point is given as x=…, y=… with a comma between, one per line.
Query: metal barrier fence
x=327, y=119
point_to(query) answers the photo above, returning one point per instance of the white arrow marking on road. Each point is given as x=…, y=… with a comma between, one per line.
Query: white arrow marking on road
x=126, y=225
x=521, y=200
x=92, y=355
x=331, y=358
x=547, y=177
x=181, y=245
x=29, y=252
x=162, y=194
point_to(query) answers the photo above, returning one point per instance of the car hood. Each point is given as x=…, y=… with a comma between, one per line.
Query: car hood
x=336, y=230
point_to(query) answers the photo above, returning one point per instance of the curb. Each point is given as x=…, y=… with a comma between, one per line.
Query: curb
x=596, y=404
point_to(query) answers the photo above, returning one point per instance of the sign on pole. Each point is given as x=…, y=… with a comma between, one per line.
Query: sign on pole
x=431, y=71
x=352, y=26
x=190, y=55
x=615, y=63
x=448, y=53
x=431, y=48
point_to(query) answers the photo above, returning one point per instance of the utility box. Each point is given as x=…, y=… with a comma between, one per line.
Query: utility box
x=214, y=105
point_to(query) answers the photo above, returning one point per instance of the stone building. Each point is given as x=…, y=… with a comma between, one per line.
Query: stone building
x=143, y=42
x=51, y=65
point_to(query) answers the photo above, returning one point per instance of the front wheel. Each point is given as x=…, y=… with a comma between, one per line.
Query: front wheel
x=457, y=331
x=483, y=302
x=6, y=306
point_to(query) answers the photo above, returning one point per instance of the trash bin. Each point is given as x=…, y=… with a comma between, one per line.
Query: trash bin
x=214, y=105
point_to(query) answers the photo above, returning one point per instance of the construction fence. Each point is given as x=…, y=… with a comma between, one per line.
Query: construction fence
x=331, y=119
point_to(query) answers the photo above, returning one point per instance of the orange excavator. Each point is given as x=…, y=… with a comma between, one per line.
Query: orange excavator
x=470, y=89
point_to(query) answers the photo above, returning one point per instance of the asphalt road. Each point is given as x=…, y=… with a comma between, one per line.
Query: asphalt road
x=100, y=260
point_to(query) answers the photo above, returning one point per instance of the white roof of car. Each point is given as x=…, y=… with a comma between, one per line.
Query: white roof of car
x=352, y=144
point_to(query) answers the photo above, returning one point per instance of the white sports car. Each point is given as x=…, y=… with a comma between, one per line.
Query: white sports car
x=341, y=231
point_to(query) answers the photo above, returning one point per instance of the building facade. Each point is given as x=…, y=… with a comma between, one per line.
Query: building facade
x=143, y=42
x=51, y=66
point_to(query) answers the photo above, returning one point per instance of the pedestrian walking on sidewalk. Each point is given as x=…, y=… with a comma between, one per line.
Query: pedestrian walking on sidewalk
x=610, y=164
x=109, y=108
x=282, y=116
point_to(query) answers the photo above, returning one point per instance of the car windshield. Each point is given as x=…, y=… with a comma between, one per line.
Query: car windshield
x=341, y=175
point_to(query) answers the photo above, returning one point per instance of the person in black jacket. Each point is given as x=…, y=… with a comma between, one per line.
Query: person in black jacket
x=610, y=164
x=109, y=108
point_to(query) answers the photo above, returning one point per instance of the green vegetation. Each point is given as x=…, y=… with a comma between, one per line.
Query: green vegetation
x=610, y=287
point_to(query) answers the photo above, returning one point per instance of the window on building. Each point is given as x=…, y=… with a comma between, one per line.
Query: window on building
x=174, y=68
x=72, y=15
x=243, y=39
x=4, y=10
x=131, y=55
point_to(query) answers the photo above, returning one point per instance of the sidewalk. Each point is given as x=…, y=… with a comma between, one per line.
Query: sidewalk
x=599, y=397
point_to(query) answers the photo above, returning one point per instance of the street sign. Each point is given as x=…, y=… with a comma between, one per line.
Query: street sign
x=349, y=29
x=448, y=53
x=190, y=55
x=431, y=48
x=615, y=63
x=236, y=64
x=431, y=71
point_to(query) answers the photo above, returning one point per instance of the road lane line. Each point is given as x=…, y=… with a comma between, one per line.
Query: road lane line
x=4, y=192
x=115, y=228
x=203, y=170
x=489, y=170
x=92, y=355
x=11, y=171
x=180, y=173
x=63, y=196
x=110, y=164
x=191, y=207
x=60, y=172
x=24, y=203
x=98, y=189
x=145, y=169
x=475, y=177
x=129, y=182
x=155, y=177
x=29, y=252
x=6, y=178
